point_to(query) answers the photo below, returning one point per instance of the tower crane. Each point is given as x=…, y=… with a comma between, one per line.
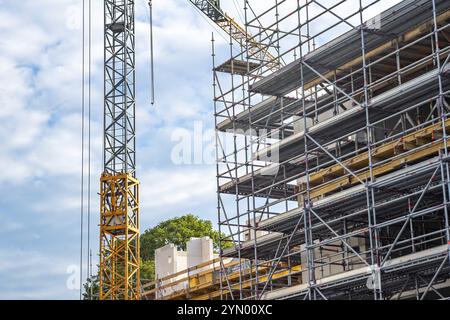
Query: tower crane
x=119, y=272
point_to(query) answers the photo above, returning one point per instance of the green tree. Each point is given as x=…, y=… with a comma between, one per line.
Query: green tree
x=147, y=270
x=91, y=288
x=177, y=231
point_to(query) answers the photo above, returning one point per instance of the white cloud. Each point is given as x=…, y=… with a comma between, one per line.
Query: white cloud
x=10, y=226
x=175, y=186
x=28, y=274
x=176, y=191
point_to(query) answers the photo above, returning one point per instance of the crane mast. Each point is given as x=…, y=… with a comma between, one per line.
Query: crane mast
x=119, y=187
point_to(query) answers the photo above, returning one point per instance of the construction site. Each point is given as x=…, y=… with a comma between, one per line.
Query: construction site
x=337, y=182
x=332, y=156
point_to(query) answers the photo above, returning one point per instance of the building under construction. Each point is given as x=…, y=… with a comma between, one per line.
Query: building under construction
x=333, y=166
x=333, y=177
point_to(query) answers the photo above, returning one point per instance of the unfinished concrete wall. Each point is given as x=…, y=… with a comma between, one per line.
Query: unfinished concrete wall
x=334, y=258
x=199, y=250
x=249, y=234
x=168, y=261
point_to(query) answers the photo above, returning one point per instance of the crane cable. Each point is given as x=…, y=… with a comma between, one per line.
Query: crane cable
x=239, y=12
x=208, y=21
x=83, y=145
x=152, y=66
x=89, y=261
x=82, y=150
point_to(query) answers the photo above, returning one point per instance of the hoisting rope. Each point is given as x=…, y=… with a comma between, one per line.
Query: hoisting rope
x=83, y=146
x=152, y=68
x=89, y=255
x=82, y=151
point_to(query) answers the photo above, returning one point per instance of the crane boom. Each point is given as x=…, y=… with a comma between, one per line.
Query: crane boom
x=119, y=188
x=211, y=8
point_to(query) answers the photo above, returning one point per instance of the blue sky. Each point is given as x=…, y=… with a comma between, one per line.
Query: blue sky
x=40, y=86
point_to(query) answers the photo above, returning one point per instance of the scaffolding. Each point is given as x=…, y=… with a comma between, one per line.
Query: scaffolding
x=203, y=281
x=332, y=155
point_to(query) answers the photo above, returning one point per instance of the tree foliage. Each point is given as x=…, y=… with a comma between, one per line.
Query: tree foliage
x=147, y=270
x=177, y=231
x=91, y=288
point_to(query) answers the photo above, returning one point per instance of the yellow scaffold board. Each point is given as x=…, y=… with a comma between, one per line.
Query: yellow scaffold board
x=409, y=148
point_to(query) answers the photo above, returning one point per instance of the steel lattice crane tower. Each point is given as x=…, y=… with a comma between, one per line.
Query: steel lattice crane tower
x=119, y=187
